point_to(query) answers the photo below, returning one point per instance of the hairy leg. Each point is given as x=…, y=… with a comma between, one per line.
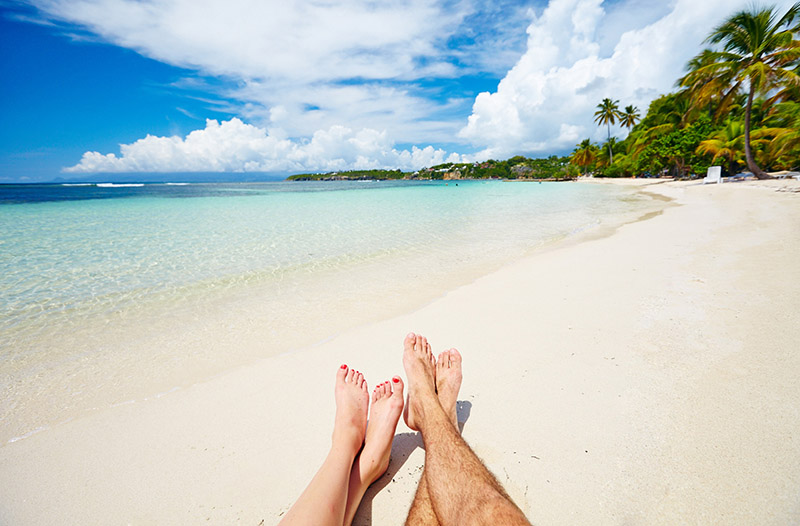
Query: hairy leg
x=461, y=489
x=324, y=499
x=372, y=462
x=448, y=382
x=421, y=512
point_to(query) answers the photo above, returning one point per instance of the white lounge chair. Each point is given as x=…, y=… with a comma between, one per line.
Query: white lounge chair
x=714, y=175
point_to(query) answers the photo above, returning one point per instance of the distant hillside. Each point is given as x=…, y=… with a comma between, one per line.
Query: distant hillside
x=351, y=175
x=518, y=167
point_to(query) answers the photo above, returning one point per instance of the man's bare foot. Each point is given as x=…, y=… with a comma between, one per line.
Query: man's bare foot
x=420, y=366
x=352, y=401
x=387, y=404
x=448, y=382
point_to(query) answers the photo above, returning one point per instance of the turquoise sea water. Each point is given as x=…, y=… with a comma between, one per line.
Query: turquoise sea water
x=110, y=293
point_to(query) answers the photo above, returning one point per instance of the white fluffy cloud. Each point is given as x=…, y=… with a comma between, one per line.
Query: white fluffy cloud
x=293, y=39
x=315, y=80
x=297, y=66
x=578, y=54
x=233, y=146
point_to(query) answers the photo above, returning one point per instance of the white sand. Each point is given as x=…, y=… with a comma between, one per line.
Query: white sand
x=648, y=377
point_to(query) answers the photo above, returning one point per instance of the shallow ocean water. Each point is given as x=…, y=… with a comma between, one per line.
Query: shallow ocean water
x=116, y=292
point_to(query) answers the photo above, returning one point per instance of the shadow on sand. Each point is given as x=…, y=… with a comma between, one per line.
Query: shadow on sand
x=403, y=445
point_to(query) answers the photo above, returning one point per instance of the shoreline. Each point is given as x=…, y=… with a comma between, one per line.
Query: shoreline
x=211, y=331
x=655, y=365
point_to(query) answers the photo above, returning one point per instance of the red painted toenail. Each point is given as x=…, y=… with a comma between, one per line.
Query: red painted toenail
x=396, y=379
x=344, y=366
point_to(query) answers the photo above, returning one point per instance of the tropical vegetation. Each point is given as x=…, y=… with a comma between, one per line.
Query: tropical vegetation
x=737, y=106
x=519, y=167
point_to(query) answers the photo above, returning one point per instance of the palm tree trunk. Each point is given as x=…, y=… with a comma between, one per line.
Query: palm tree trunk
x=748, y=153
x=610, y=153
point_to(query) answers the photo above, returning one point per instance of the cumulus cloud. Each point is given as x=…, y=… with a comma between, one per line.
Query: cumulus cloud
x=296, y=67
x=332, y=85
x=233, y=146
x=546, y=102
x=304, y=41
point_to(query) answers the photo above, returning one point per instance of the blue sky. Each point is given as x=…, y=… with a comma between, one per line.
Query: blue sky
x=61, y=97
x=121, y=86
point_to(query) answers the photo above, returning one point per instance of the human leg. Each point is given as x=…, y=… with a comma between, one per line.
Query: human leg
x=448, y=382
x=461, y=489
x=372, y=462
x=421, y=512
x=324, y=500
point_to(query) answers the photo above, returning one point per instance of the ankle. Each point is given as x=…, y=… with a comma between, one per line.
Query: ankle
x=374, y=471
x=347, y=443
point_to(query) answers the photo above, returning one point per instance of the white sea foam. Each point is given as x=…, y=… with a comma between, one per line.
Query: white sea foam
x=126, y=402
x=165, y=393
x=119, y=185
x=176, y=184
x=26, y=435
x=77, y=184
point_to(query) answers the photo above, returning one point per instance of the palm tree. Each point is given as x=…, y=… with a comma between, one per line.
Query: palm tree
x=783, y=132
x=584, y=155
x=704, y=84
x=665, y=115
x=603, y=157
x=725, y=144
x=758, y=50
x=607, y=113
x=629, y=117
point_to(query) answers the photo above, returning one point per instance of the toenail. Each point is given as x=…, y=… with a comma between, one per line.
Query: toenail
x=344, y=366
x=396, y=379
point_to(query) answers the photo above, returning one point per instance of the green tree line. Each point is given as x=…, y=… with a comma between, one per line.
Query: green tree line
x=518, y=167
x=737, y=106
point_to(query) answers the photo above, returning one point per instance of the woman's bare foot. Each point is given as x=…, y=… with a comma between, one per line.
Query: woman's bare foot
x=372, y=462
x=352, y=401
x=387, y=404
x=448, y=382
x=420, y=367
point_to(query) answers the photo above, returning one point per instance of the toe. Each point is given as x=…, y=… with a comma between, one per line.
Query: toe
x=397, y=388
x=408, y=342
x=341, y=374
x=351, y=374
x=455, y=357
x=441, y=361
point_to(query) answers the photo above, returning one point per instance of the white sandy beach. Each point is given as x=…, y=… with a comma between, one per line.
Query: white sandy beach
x=645, y=377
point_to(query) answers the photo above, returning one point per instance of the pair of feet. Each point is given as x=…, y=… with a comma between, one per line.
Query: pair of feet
x=441, y=376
